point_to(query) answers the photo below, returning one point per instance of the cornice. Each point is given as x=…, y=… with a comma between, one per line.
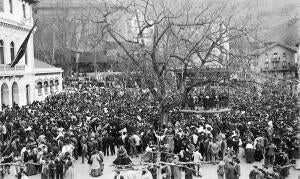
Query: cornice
x=12, y=26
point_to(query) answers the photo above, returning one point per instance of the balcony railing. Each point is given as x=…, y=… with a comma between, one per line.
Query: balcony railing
x=5, y=67
x=276, y=59
x=7, y=70
x=280, y=68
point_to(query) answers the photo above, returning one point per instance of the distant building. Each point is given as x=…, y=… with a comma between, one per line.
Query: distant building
x=275, y=59
x=30, y=79
x=87, y=62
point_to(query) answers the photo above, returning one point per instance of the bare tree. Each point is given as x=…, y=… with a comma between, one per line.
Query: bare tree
x=63, y=32
x=159, y=37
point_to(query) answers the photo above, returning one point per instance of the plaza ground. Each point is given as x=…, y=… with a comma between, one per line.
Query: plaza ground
x=209, y=171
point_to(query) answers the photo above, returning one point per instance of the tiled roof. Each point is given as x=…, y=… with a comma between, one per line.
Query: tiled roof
x=41, y=64
x=268, y=47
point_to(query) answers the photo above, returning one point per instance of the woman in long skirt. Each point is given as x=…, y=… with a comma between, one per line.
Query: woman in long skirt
x=258, y=154
x=122, y=157
x=249, y=153
x=95, y=167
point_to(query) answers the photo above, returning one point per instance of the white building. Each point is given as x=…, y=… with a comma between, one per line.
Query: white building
x=30, y=79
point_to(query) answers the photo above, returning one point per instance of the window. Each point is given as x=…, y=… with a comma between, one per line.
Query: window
x=39, y=86
x=24, y=11
x=266, y=55
x=1, y=52
x=1, y=6
x=12, y=51
x=284, y=64
x=10, y=6
x=46, y=87
x=275, y=64
x=267, y=65
x=275, y=54
x=26, y=57
x=56, y=85
x=284, y=54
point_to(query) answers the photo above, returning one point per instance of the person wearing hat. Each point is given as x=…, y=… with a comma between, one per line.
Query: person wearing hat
x=118, y=175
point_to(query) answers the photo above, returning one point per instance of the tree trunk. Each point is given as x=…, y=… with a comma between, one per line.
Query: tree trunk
x=164, y=115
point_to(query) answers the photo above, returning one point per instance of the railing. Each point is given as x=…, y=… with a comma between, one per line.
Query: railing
x=276, y=59
x=7, y=68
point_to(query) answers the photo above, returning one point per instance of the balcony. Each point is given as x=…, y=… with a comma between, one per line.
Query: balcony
x=279, y=68
x=275, y=59
x=6, y=70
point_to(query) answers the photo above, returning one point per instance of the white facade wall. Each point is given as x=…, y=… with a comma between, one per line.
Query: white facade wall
x=18, y=84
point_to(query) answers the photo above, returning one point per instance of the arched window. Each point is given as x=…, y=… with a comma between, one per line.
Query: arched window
x=12, y=51
x=10, y=6
x=46, y=87
x=56, y=85
x=39, y=86
x=1, y=52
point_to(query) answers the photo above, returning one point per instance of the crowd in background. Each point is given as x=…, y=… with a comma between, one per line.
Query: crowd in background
x=90, y=122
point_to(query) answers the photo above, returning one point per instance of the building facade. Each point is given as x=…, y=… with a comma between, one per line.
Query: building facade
x=275, y=59
x=20, y=85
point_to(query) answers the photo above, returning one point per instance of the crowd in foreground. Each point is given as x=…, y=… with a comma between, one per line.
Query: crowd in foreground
x=90, y=123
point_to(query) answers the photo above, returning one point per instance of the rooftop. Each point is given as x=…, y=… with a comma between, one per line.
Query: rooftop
x=42, y=67
x=41, y=64
x=269, y=45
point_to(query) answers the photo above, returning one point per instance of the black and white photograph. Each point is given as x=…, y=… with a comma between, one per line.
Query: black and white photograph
x=149, y=89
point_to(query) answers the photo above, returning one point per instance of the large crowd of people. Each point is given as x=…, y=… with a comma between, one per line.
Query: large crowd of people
x=89, y=123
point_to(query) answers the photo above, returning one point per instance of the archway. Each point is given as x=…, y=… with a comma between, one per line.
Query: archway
x=4, y=95
x=51, y=87
x=28, y=100
x=56, y=85
x=46, y=87
x=39, y=87
x=15, y=93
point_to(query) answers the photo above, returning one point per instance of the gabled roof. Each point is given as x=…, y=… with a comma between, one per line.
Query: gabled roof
x=41, y=64
x=272, y=45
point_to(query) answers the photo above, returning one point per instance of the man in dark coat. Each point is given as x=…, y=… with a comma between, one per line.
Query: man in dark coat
x=59, y=165
x=230, y=171
x=105, y=143
x=111, y=141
